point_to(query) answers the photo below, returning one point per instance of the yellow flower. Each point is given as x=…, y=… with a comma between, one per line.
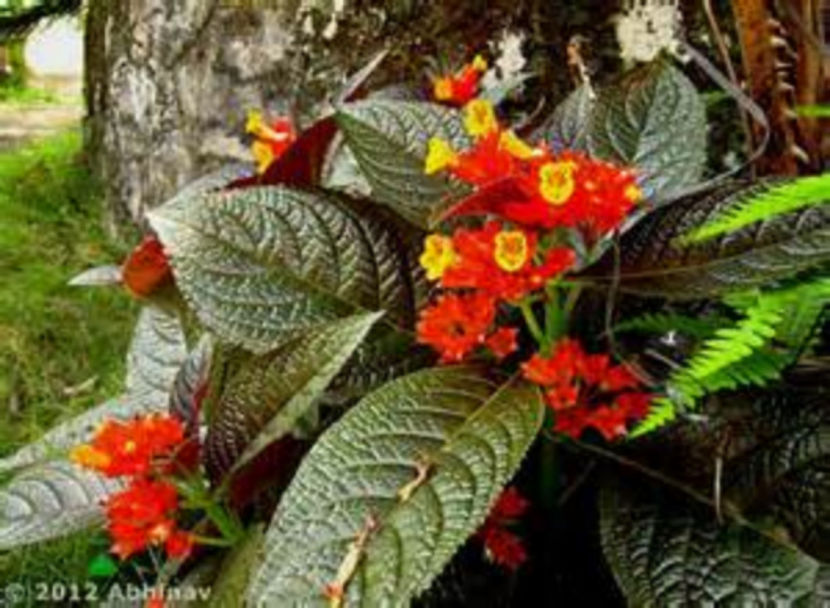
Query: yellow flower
x=263, y=154
x=438, y=256
x=255, y=123
x=480, y=118
x=87, y=456
x=633, y=193
x=556, y=182
x=512, y=250
x=479, y=64
x=442, y=88
x=515, y=146
x=440, y=155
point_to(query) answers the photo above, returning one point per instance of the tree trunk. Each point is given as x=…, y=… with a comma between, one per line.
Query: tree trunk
x=169, y=82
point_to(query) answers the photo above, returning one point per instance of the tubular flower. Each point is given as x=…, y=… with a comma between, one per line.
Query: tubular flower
x=501, y=262
x=503, y=546
x=456, y=324
x=459, y=88
x=543, y=190
x=270, y=141
x=129, y=448
x=142, y=515
x=146, y=269
x=587, y=390
x=438, y=256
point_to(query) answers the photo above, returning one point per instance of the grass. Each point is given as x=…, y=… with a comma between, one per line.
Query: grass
x=54, y=337
x=22, y=95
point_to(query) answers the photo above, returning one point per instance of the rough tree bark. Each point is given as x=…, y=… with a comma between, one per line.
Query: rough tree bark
x=169, y=82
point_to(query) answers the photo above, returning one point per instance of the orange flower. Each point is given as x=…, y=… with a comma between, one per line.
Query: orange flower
x=146, y=269
x=142, y=515
x=529, y=185
x=501, y=262
x=129, y=448
x=457, y=324
x=502, y=342
x=459, y=88
x=503, y=546
x=271, y=141
x=586, y=391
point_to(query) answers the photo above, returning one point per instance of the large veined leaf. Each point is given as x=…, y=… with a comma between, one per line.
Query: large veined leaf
x=567, y=127
x=191, y=382
x=653, y=263
x=413, y=469
x=389, y=140
x=156, y=352
x=654, y=121
x=50, y=500
x=269, y=395
x=261, y=265
x=665, y=551
x=235, y=572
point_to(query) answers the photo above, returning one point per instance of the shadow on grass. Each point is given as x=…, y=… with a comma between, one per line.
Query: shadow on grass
x=54, y=337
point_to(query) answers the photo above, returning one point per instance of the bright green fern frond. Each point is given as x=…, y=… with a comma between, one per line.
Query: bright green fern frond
x=663, y=411
x=663, y=323
x=765, y=204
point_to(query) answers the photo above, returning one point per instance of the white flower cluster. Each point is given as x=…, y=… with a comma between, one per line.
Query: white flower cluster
x=647, y=27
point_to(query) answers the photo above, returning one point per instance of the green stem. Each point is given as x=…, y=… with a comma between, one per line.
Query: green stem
x=212, y=542
x=532, y=322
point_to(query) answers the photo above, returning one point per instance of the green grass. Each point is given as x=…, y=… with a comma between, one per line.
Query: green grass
x=22, y=95
x=54, y=337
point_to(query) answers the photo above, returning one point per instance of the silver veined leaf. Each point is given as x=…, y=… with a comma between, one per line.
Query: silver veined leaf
x=665, y=551
x=269, y=395
x=157, y=351
x=465, y=434
x=261, y=265
x=50, y=500
x=653, y=121
x=97, y=277
x=389, y=140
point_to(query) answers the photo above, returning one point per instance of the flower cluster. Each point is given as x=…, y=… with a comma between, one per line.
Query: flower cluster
x=503, y=546
x=517, y=258
x=587, y=390
x=459, y=88
x=531, y=186
x=143, y=514
x=270, y=140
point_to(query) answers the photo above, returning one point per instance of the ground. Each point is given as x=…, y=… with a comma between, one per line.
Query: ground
x=53, y=338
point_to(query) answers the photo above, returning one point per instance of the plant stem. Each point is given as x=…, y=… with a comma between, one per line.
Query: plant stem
x=532, y=323
x=212, y=542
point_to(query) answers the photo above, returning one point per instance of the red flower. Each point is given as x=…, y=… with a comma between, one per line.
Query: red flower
x=457, y=89
x=495, y=260
x=141, y=515
x=179, y=544
x=129, y=448
x=502, y=342
x=456, y=324
x=270, y=141
x=504, y=547
x=146, y=269
x=580, y=386
x=529, y=185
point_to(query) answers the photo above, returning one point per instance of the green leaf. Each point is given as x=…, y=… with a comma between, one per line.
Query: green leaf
x=261, y=265
x=102, y=566
x=654, y=121
x=762, y=202
x=653, y=264
x=389, y=140
x=155, y=355
x=50, y=500
x=470, y=434
x=236, y=570
x=269, y=395
x=663, y=323
x=665, y=551
x=568, y=126
x=192, y=376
